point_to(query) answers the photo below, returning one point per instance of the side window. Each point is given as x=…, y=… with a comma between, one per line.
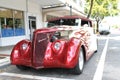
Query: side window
x=90, y=23
x=84, y=23
x=61, y=35
x=56, y=35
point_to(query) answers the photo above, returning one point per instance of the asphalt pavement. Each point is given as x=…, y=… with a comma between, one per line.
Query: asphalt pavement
x=108, y=55
x=112, y=62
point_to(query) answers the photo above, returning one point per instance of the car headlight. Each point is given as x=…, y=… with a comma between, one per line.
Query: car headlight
x=24, y=46
x=57, y=46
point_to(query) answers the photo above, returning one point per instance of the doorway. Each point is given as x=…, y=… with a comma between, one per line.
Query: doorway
x=32, y=25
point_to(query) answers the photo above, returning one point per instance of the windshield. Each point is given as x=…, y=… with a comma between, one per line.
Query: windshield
x=70, y=22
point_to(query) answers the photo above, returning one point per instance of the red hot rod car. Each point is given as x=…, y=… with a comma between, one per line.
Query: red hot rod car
x=67, y=43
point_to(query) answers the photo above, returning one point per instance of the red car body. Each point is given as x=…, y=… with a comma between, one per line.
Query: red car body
x=45, y=52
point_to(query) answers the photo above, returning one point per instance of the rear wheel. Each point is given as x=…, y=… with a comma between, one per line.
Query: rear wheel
x=80, y=65
x=22, y=67
x=96, y=45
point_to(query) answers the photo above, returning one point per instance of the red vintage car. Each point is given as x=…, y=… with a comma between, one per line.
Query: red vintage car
x=67, y=43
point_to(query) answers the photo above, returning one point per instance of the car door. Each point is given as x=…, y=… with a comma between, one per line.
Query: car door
x=92, y=42
x=90, y=38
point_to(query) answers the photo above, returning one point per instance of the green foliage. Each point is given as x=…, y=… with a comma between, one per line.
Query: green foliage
x=102, y=8
x=115, y=26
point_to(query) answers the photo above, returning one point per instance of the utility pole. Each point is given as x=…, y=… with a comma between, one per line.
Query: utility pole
x=70, y=10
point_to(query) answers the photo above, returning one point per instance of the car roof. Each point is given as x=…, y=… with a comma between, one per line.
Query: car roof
x=69, y=17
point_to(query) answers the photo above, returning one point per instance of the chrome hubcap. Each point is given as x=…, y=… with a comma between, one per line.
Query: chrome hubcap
x=81, y=60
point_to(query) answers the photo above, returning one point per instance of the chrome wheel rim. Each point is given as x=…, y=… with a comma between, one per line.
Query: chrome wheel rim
x=81, y=60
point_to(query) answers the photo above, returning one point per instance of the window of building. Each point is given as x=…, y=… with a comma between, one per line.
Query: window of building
x=11, y=23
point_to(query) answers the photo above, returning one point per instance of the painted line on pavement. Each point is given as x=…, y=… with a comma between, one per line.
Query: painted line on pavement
x=99, y=71
x=31, y=76
x=5, y=59
x=4, y=62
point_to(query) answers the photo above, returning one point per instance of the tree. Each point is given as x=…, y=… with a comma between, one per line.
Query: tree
x=98, y=9
x=91, y=5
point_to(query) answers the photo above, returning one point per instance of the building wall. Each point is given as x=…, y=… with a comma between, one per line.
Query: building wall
x=30, y=9
x=14, y=4
x=34, y=9
x=77, y=4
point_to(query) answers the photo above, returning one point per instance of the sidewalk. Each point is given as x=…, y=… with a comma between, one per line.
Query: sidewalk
x=4, y=62
x=5, y=55
x=5, y=51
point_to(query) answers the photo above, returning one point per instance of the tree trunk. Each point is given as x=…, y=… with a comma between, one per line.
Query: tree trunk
x=90, y=10
x=97, y=30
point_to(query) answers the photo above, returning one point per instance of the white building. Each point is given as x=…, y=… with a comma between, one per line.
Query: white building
x=18, y=18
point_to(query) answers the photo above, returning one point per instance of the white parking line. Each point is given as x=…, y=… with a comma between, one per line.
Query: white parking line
x=4, y=61
x=99, y=71
x=31, y=76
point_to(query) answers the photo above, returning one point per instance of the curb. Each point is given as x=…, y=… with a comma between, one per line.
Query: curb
x=4, y=55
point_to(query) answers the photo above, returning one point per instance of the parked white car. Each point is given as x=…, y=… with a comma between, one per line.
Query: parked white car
x=104, y=29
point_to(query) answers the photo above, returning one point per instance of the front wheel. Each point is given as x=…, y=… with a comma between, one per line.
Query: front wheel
x=22, y=67
x=80, y=65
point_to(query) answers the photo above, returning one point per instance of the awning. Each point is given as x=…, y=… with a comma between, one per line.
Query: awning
x=61, y=10
x=49, y=2
x=59, y=7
